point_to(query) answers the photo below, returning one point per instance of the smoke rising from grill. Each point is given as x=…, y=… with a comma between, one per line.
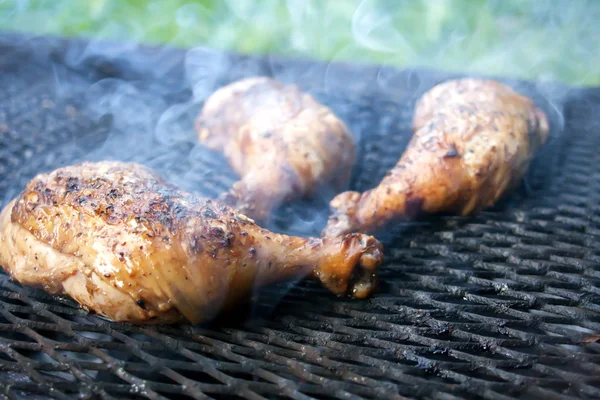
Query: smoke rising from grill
x=372, y=29
x=147, y=97
x=441, y=286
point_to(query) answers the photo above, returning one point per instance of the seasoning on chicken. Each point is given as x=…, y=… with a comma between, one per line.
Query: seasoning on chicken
x=125, y=244
x=281, y=141
x=473, y=143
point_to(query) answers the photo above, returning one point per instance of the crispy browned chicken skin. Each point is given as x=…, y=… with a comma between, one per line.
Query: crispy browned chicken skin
x=126, y=245
x=281, y=141
x=473, y=143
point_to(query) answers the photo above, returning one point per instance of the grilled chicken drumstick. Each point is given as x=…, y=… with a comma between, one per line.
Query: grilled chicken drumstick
x=473, y=143
x=126, y=245
x=281, y=141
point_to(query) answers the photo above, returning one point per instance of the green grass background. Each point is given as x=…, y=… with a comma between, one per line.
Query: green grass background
x=533, y=39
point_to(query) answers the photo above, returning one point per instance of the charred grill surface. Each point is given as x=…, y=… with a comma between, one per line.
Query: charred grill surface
x=505, y=304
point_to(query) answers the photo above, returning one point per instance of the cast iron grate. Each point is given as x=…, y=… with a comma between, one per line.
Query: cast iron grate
x=502, y=305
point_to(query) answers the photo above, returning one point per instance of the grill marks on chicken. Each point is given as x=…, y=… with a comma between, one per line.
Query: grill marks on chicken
x=281, y=141
x=127, y=245
x=473, y=143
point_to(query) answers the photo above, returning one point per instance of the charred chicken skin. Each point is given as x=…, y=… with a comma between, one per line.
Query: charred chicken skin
x=126, y=245
x=473, y=143
x=280, y=140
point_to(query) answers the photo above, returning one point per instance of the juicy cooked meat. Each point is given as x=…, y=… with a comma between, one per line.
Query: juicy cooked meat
x=473, y=143
x=281, y=141
x=125, y=244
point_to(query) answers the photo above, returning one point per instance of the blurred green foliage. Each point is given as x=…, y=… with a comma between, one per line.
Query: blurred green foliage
x=533, y=39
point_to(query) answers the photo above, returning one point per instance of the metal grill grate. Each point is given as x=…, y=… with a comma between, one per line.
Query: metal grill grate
x=502, y=305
